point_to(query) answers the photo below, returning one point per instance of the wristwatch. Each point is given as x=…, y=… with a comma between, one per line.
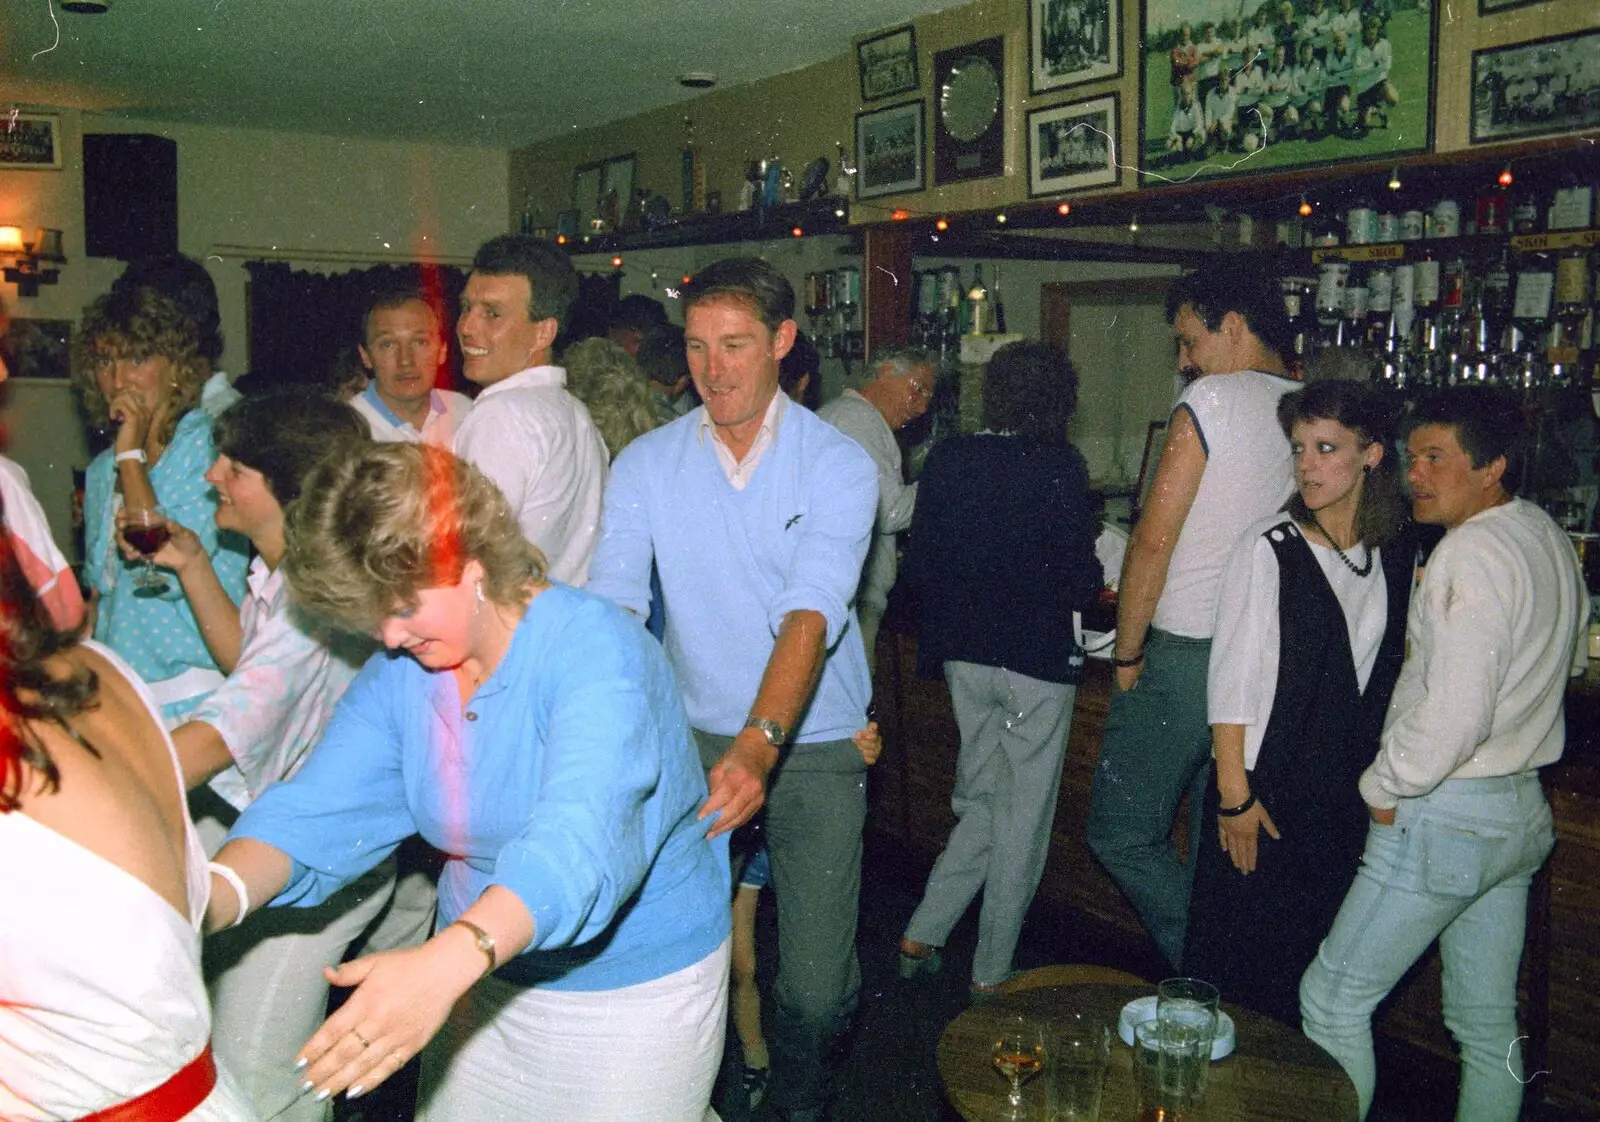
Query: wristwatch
x=484, y=940
x=772, y=730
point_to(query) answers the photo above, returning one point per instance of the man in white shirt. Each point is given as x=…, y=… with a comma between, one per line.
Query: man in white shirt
x=897, y=394
x=1226, y=464
x=1459, y=821
x=403, y=347
x=526, y=432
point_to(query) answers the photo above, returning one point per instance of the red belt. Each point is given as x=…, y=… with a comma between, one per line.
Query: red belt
x=169, y=1102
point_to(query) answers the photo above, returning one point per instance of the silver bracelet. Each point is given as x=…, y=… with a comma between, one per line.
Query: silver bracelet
x=236, y=882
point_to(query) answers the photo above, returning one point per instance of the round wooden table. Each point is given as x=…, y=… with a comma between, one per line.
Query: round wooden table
x=1273, y=1073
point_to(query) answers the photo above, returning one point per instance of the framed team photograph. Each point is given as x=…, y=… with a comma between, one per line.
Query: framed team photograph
x=1231, y=90
x=890, y=151
x=1073, y=41
x=1073, y=146
x=30, y=140
x=888, y=63
x=1534, y=88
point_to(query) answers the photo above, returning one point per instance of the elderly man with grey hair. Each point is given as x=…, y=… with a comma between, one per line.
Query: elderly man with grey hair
x=897, y=392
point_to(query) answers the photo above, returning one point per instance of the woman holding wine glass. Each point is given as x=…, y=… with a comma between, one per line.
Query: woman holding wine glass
x=534, y=734
x=138, y=367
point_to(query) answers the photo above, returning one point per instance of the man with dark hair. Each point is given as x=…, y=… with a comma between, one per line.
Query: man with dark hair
x=635, y=317
x=757, y=515
x=665, y=367
x=1459, y=821
x=526, y=432
x=800, y=373
x=1226, y=464
x=403, y=347
x=897, y=392
x=186, y=282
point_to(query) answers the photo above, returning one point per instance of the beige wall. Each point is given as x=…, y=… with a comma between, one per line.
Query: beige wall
x=299, y=196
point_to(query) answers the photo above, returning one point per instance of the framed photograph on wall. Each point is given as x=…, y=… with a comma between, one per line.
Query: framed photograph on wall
x=969, y=111
x=1073, y=146
x=1228, y=92
x=1542, y=86
x=1073, y=41
x=889, y=151
x=888, y=63
x=30, y=140
x=38, y=349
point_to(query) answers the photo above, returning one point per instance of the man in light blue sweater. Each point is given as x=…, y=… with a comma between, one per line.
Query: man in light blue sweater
x=758, y=515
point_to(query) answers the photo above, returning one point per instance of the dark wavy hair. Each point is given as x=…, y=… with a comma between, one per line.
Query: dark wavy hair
x=1488, y=424
x=1030, y=389
x=1246, y=283
x=285, y=433
x=1362, y=410
x=29, y=692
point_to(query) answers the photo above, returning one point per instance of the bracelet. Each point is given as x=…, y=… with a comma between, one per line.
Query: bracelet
x=1124, y=663
x=484, y=940
x=1234, y=812
x=131, y=454
x=235, y=882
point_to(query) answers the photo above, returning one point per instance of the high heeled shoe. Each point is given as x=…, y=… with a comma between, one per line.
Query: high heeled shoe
x=918, y=960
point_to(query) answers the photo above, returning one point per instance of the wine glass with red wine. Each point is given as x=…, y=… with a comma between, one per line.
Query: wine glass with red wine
x=146, y=530
x=1018, y=1055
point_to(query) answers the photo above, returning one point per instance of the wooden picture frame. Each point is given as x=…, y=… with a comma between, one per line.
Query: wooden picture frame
x=1531, y=88
x=890, y=148
x=593, y=182
x=1073, y=147
x=1351, y=108
x=1072, y=42
x=30, y=141
x=887, y=63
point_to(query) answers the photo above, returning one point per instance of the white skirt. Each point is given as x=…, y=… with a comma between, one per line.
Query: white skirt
x=649, y=1052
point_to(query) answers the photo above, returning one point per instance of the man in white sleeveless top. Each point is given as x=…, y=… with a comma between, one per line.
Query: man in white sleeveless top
x=1226, y=463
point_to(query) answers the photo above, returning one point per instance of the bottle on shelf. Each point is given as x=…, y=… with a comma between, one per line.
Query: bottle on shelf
x=976, y=307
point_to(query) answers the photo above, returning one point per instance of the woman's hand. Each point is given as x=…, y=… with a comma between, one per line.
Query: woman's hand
x=1238, y=835
x=182, y=548
x=401, y=999
x=133, y=417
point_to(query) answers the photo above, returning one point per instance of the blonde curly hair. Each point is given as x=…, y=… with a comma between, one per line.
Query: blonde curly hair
x=139, y=323
x=374, y=527
x=606, y=379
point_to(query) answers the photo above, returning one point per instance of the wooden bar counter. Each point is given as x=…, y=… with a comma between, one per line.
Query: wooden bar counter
x=910, y=802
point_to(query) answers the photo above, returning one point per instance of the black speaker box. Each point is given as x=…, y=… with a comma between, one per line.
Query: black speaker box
x=130, y=195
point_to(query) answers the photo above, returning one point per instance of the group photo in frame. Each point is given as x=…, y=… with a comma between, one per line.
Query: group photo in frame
x=1073, y=41
x=1235, y=89
x=30, y=140
x=890, y=151
x=1073, y=146
x=887, y=63
x=1538, y=87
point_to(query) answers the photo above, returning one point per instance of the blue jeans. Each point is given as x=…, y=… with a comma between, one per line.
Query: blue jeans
x=1455, y=866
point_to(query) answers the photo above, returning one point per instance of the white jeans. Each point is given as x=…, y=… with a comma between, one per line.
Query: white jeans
x=1008, y=774
x=643, y=1053
x=268, y=994
x=1455, y=866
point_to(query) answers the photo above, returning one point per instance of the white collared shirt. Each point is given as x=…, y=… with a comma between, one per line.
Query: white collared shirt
x=446, y=411
x=536, y=442
x=739, y=471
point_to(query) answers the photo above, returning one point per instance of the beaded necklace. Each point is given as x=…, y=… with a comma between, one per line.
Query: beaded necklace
x=1349, y=564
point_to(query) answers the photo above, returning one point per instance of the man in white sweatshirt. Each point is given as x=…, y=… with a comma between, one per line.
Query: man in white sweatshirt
x=1459, y=821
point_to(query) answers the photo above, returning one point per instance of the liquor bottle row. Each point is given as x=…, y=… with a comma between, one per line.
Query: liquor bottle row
x=1496, y=211
x=833, y=307
x=1458, y=313
x=946, y=307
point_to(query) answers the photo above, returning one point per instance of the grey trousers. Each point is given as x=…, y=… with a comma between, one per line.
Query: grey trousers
x=815, y=812
x=1008, y=774
x=1157, y=747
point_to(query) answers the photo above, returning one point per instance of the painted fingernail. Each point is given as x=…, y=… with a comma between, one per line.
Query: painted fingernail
x=300, y=1063
x=322, y=1094
x=306, y=1086
x=354, y=1092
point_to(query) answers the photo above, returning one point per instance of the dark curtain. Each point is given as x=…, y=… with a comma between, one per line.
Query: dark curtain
x=300, y=322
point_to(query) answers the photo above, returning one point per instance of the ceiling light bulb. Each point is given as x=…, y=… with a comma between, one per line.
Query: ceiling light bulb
x=798, y=232
x=1063, y=209
x=616, y=262
x=1001, y=218
x=1505, y=176
x=1305, y=208
x=1394, y=179
x=942, y=225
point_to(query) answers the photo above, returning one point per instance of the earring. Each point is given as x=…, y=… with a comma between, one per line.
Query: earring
x=478, y=589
